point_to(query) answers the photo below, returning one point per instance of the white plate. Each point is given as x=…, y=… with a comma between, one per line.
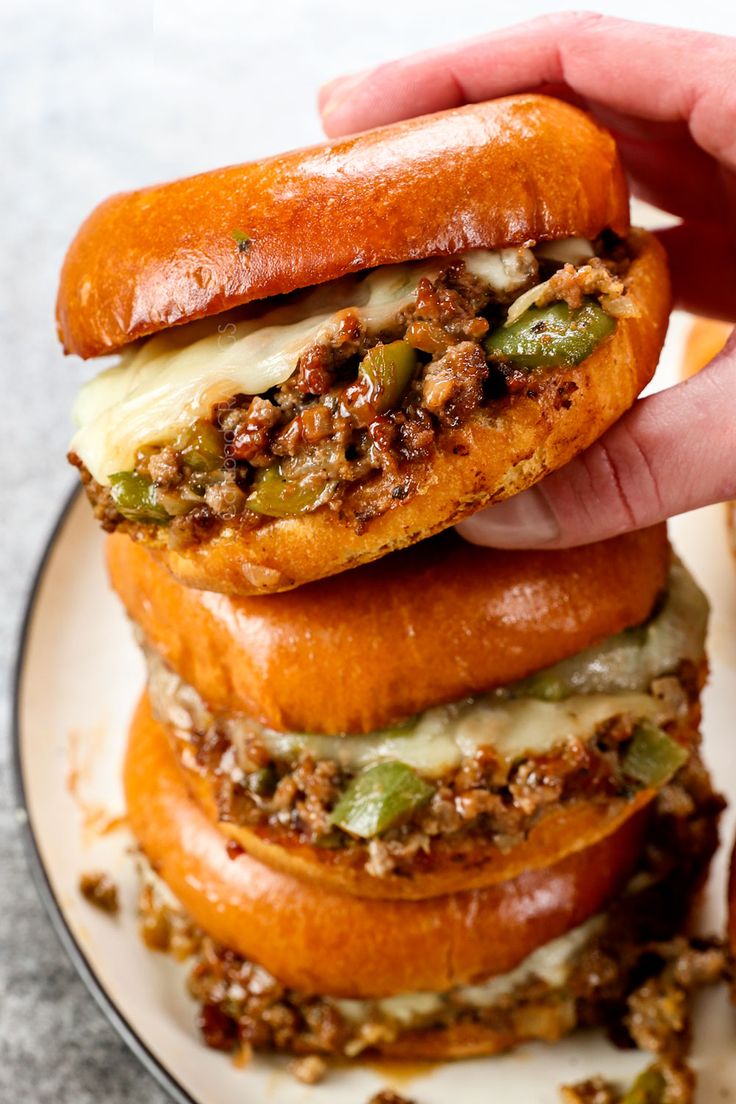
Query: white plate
x=79, y=674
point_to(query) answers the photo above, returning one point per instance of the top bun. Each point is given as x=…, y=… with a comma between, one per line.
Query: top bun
x=484, y=176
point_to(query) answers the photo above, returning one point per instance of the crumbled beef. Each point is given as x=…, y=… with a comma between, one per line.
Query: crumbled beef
x=309, y=1070
x=666, y=1082
x=193, y=527
x=100, y=890
x=595, y=1090
x=250, y=434
x=453, y=386
x=572, y=284
x=388, y=1096
x=104, y=509
x=658, y=1017
x=164, y=467
x=218, y=1030
x=314, y=374
x=165, y=927
x=226, y=498
x=485, y=797
x=319, y=365
x=324, y=427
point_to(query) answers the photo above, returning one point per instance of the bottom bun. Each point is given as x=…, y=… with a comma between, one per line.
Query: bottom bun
x=330, y=943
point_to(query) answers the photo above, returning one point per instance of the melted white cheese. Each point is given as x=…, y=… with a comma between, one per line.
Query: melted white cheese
x=630, y=660
x=605, y=681
x=441, y=738
x=550, y=963
x=168, y=381
x=567, y=250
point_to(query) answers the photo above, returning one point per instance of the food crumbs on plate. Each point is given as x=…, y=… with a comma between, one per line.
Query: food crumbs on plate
x=593, y=1091
x=166, y=928
x=242, y=1056
x=669, y=1081
x=310, y=1070
x=388, y=1096
x=100, y=890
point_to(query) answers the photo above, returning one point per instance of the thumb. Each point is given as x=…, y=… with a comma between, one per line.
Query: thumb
x=672, y=452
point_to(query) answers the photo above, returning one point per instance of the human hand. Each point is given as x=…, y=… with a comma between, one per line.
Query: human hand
x=668, y=97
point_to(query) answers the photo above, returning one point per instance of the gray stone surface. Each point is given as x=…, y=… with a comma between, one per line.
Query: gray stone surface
x=95, y=97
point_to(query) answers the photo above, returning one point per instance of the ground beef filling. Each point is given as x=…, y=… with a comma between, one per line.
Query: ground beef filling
x=486, y=797
x=328, y=431
x=634, y=976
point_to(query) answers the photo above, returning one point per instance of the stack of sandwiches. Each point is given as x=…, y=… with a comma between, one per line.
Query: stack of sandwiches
x=412, y=796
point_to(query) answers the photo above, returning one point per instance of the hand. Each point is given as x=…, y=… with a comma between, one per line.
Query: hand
x=669, y=98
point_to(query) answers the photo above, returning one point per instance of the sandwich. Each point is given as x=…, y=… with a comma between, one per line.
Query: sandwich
x=334, y=353
x=433, y=807
x=437, y=722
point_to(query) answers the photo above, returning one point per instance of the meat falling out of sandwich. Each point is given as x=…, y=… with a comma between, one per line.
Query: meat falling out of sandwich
x=359, y=344
x=387, y=829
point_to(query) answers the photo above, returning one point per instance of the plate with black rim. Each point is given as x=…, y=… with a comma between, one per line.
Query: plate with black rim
x=78, y=677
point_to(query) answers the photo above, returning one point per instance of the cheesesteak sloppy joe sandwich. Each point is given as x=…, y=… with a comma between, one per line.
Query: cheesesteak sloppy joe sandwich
x=336, y=352
x=281, y=963
x=444, y=719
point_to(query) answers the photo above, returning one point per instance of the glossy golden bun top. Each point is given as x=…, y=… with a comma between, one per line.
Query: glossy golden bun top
x=488, y=175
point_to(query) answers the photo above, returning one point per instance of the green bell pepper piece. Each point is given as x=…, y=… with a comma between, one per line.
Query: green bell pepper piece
x=388, y=370
x=647, y=1089
x=202, y=447
x=274, y=496
x=652, y=757
x=135, y=498
x=549, y=337
x=379, y=798
x=545, y=687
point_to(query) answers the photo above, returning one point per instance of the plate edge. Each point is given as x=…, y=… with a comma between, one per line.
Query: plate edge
x=34, y=861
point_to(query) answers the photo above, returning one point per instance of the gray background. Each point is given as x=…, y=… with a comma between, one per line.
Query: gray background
x=96, y=97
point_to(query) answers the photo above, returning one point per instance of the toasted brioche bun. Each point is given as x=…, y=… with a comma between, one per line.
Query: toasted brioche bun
x=501, y=449
x=487, y=175
x=434, y=623
x=525, y=168
x=332, y=944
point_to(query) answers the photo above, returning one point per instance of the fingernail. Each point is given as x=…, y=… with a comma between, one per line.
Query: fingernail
x=524, y=521
x=339, y=92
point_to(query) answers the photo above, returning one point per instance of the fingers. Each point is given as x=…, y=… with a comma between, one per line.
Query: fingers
x=703, y=269
x=673, y=452
x=657, y=73
x=666, y=167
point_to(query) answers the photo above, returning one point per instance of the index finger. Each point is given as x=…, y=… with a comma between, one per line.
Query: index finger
x=657, y=73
